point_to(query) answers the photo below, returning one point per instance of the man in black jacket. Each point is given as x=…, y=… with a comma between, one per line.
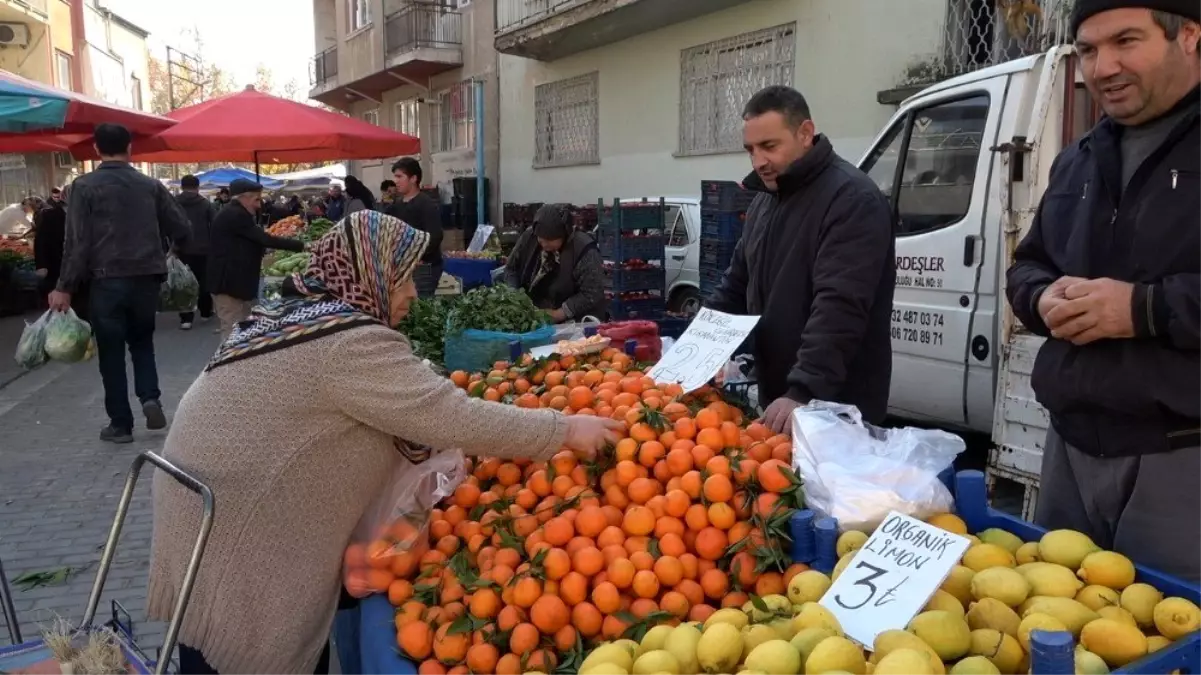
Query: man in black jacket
x=200, y=213
x=116, y=221
x=422, y=212
x=1109, y=273
x=236, y=253
x=50, y=232
x=816, y=262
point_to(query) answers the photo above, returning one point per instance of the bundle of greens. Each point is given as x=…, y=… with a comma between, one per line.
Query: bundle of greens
x=425, y=326
x=316, y=229
x=499, y=308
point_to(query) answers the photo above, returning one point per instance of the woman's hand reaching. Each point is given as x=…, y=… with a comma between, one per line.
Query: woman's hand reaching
x=586, y=434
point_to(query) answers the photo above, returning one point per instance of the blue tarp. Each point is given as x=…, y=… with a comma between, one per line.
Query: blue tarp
x=219, y=178
x=24, y=109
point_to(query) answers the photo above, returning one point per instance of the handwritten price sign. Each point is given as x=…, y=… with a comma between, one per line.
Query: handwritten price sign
x=892, y=577
x=704, y=348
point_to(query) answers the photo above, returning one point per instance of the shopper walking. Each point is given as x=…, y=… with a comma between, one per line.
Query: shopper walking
x=194, y=254
x=1109, y=274
x=116, y=220
x=815, y=262
x=422, y=212
x=236, y=251
x=48, y=250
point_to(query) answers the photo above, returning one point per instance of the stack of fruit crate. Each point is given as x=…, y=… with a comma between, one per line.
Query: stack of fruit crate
x=633, y=241
x=723, y=211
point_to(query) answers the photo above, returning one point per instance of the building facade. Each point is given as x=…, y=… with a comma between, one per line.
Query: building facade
x=626, y=98
x=411, y=65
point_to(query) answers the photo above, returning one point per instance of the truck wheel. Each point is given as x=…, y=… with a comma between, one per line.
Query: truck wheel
x=686, y=301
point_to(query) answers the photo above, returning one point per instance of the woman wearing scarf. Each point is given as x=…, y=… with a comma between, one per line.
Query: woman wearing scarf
x=558, y=267
x=359, y=194
x=297, y=424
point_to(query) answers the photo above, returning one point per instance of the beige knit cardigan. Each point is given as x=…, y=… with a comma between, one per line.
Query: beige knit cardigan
x=295, y=444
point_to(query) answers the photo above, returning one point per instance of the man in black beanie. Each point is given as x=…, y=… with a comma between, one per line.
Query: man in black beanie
x=1109, y=272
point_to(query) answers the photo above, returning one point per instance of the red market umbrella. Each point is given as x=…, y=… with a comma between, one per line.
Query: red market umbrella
x=251, y=126
x=80, y=116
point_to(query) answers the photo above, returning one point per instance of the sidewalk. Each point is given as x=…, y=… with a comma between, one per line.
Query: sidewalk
x=10, y=333
x=59, y=485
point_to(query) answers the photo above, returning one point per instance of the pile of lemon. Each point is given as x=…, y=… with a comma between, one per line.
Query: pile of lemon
x=979, y=621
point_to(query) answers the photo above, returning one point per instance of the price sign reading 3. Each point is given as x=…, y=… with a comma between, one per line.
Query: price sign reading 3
x=892, y=577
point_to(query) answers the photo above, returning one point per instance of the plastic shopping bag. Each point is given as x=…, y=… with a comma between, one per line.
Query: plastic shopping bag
x=180, y=291
x=68, y=337
x=393, y=534
x=857, y=473
x=31, y=348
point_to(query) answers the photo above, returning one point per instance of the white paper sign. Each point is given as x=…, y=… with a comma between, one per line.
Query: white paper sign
x=892, y=577
x=704, y=349
x=479, y=239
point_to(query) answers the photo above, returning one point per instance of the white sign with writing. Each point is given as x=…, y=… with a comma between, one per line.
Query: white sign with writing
x=704, y=349
x=479, y=239
x=892, y=577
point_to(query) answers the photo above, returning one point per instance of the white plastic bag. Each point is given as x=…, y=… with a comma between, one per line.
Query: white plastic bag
x=68, y=337
x=31, y=347
x=857, y=473
x=393, y=533
x=573, y=330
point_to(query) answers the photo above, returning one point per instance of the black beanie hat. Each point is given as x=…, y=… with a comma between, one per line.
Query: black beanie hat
x=1083, y=9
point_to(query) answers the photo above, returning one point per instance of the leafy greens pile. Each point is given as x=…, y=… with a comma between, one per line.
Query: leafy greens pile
x=490, y=308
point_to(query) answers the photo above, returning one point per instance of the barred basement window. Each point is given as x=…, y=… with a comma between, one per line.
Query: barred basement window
x=567, y=122
x=717, y=79
x=452, y=118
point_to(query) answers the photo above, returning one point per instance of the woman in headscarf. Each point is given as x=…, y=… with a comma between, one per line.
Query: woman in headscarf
x=559, y=267
x=359, y=195
x=297, y=424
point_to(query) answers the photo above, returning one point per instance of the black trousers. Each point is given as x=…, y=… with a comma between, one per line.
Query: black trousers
x=191, y=662
x=426, y=278
x=199, y=265
x=122, y=314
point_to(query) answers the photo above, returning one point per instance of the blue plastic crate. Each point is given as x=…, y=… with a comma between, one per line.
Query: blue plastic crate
x=673, y=326
x=725, y=195
x=629, y=216
x=650, y=248
x=652, y=279
x=814, y=538
x=725, y=227
x=716, y=255
x=710, y=280
x=651, y=309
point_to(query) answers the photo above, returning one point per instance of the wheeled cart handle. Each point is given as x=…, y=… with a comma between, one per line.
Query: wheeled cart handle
x=189, y=579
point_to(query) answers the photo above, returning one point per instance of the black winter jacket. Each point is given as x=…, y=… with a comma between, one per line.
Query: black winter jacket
x=424, y=213
x=236, y=252
x=48, y=243
x=816, y=261
x=200, y=212
x=1131, y=396
x=117, y=219
x=577, y=286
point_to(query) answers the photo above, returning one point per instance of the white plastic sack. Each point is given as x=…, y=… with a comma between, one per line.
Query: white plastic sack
x=573, y=330
x=857, y=473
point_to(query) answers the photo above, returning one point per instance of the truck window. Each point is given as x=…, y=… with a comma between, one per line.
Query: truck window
x=942, y=150
x=677, y=229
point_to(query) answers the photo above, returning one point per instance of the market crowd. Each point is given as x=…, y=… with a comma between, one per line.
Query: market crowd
x=317, y=394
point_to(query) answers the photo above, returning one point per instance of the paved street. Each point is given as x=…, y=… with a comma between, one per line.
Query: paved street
x=59, y=485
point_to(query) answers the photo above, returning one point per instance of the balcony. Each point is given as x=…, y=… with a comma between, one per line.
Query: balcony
x=548, y=30
x=323, y=71
x=422, y=40
x=38, y=9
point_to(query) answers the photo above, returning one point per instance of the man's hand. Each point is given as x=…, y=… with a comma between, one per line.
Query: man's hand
x=42, y=272
x=778, y=416
x=59, y=301
x=558, y=315
x=1054, y=296
x=1093, y=309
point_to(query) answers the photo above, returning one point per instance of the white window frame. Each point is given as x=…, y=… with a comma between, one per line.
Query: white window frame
x=554, y=101
x=358, y=14
x=719, y=77
x=452, y=118
x=135, y=86
x=406, y=117
x=370, y=116
x=66, y=80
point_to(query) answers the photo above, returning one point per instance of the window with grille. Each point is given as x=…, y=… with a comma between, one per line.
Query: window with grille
x=717, y=79
x=452, y=118
x=371, y=117
x=406, y=118
x=567, y=122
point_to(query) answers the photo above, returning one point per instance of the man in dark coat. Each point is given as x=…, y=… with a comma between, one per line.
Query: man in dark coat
x=422, y=212
x=116, y=221
x=558, y=267
x=1109, y=274
x=236, y=253
x=816, y=262
x=200, y=213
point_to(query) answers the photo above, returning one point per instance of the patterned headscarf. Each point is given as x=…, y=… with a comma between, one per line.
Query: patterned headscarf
x=352, y=271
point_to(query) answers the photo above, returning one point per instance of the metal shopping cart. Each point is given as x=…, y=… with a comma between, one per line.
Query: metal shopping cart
x=23, y=655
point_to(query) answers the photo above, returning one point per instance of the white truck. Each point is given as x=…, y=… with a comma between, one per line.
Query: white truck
x=977, y=151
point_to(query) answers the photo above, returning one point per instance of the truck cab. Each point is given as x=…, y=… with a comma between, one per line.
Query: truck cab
x=964, y=164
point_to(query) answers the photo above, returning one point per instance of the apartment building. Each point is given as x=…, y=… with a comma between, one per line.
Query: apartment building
x=644, y=97
x=411, y=65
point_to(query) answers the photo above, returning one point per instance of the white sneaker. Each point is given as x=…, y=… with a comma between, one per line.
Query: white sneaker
x=187, y=325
